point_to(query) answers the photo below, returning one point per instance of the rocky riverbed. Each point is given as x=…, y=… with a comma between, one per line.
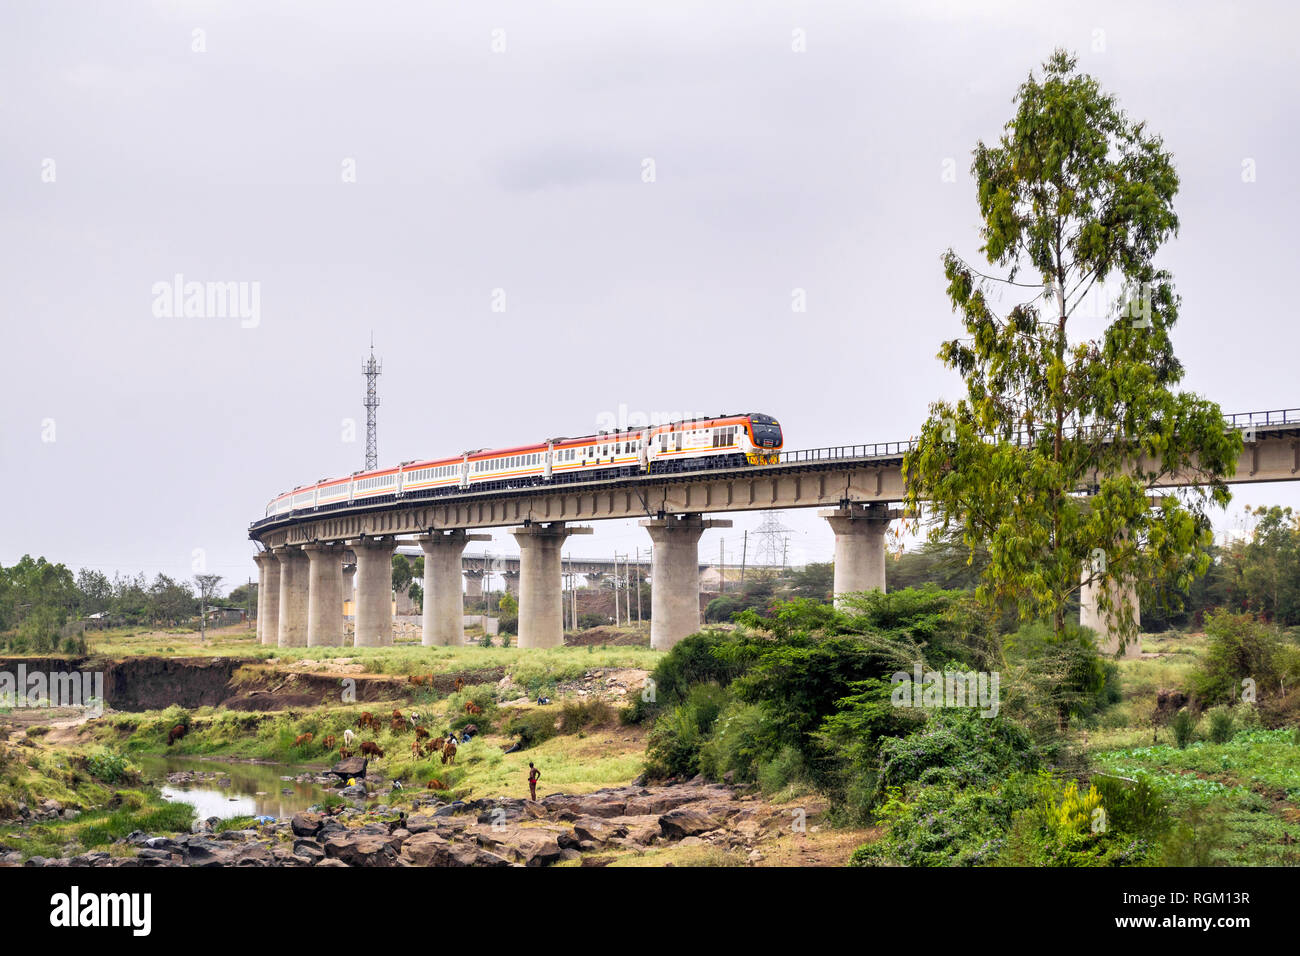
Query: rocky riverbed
x=592, y=828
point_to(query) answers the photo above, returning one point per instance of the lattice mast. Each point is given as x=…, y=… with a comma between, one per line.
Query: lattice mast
x=771, y=550
x=371, y=371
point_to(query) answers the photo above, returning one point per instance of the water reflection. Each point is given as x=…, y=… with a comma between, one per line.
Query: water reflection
x=247, y=788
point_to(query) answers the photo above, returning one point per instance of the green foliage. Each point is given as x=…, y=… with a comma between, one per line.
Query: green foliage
x=734, y=744
x=957, y=747
x=582, y=715
x=1240, y=647
x=1073, y=195
x=721, y=608
x=108, y=767
x=1222, y=726
x=532, y=727
x=691, y=661
x=1133, y=806
x=1184, y=728
x=673, y=749
x=1073, y=675
x=948, y=825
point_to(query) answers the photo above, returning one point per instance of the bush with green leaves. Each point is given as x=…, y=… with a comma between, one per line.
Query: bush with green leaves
x=1184, y=728
x=1239, y=648
x=108, y=767
x=1079, y=680
x=1222, y=725
x=691, y=661
x=733, y=745
x=673, y=749
x=947, y=825
x=959, y=747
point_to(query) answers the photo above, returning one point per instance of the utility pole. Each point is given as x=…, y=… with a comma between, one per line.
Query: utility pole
x=616, y=589
x=744, y=554
x=722, y=568
x=638, y=585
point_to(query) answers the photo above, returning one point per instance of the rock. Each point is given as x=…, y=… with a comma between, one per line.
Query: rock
x=306, y=824
x=361, y=849
x=597, y=830
x=331, y=862
x=419, y=823
x=356, y=792
x=308, y=850
x=532, y=847
x=688, y=822
x=430, y=849
x=351, y=767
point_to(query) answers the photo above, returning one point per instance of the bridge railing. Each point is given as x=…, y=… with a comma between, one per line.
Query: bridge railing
x=1281, y=416
x=891, y=449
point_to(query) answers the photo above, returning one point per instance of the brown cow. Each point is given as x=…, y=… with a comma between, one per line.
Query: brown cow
x=436, y=784
x=421, y=733
x=415, y=748
x=176, y=733
x=433, y=746
x=302, y=739
x=367, y=719
x=460, y=684
x=329, y=742
x=449, y=751
x=472, y=708
x=344, y=753
x=371, y=749
x=396, y=726
x=397, y=715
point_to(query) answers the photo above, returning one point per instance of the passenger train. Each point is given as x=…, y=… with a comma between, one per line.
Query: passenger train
x=688, y=445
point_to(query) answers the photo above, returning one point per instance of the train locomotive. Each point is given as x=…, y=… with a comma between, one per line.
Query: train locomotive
x=687, y=445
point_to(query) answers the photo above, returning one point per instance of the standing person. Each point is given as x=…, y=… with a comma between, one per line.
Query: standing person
x=533, y=776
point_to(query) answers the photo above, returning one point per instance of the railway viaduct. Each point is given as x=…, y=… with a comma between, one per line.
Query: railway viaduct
x=857, y=486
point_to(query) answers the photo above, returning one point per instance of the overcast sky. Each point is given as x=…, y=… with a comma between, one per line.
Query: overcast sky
x=498, y=152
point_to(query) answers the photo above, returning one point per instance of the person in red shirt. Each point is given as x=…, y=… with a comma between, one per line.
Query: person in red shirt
x=533, y=776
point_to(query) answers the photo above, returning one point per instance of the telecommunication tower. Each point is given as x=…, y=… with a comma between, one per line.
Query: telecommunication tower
x=371, y=371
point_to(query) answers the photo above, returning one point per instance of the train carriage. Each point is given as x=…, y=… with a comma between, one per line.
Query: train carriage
x=687, y=445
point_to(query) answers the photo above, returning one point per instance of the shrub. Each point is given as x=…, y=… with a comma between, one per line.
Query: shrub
x=583, y=714
x=781, y=771
x=1184, y=728
x=1239, y=647
x=691, y=661
x=673, y=749
x=532, y=727
x=956, y=747
x=108, y=767
x=1222, y=725
x=733, y=745
x=1134, y=806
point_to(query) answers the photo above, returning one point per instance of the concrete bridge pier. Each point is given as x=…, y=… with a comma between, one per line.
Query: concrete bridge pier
x=268, y=597
x=511, y=579
x=474, y=583
x=541, y=607
x=324, y=595
x=349, y=580
x=859, y=546
x=675, y=576
x=374, y=591
x=292, y=612
x=1090, y=615
x=444, y=601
